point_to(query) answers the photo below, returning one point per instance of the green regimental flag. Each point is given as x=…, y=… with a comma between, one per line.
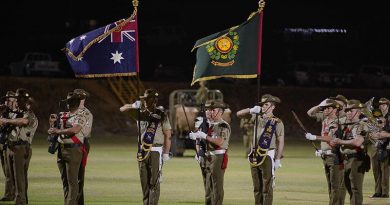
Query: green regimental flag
x=232, y=53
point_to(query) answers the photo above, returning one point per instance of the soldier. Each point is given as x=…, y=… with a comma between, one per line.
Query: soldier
x=89, y=117
x=356, y=160
x=71, y=151
x=380, y=157
x=265, y=156
x=328, y=112
x=217, y=140
x=201, y=93
x=246, y=126
x=19, y=152
x=154, y=145
x=342, y=101
x=6, y=112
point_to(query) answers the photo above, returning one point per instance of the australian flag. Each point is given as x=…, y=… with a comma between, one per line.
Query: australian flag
x=108, y=51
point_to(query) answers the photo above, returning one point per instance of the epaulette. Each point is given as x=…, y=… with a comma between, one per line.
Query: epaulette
x=277, y=120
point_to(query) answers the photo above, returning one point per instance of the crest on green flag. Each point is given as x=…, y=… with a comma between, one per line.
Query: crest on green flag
x=232, y=53
x=223, y=51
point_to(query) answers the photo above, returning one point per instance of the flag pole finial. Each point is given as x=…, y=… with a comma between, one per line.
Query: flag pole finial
x=135, y=4
x=261, y=5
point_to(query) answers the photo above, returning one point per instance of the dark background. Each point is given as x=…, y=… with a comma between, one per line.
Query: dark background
x=168, y=30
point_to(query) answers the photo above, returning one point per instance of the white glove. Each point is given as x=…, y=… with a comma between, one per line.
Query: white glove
x=166, y=157
x=198, y=122
x=277, y=164
x=197, y=158
x=201, y=135
x=136, y=104
x=323, y=103
x=318, y=153
x=255, y=110
x=193, y=135
x=310, y=136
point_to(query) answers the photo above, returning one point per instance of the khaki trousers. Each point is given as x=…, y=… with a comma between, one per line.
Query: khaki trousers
x=19, y=160
x=81, y=177
x=262, y=182
x=68, y=162
x=353, y=178
x=381, y=173
x=214, y=179
x=150, y=178
x=9, y=189
x=207, y=191
x=334, y=177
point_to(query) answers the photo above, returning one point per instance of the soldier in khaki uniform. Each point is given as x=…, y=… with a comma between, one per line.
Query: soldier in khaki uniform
x=71, y=151
x=354, y=150
x=89, y=117
x=380, y=158
x=269, y=150
x=246, y=126
x=155, y=143
x=328, y=112
x=19, y=143
x=217, y=139
x=7, y=110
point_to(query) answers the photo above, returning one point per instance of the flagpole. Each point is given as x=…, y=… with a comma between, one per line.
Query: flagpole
x=260, y=10
x=135, y=6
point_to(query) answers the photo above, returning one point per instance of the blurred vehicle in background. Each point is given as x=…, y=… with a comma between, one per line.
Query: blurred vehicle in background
x=35, y=64
x=374, y=76
x=182, y=113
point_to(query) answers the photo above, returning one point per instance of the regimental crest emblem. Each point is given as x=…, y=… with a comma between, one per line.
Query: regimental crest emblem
x=224, y=49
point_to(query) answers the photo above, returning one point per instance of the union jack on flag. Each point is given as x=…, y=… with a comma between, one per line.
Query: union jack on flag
x=108, y=51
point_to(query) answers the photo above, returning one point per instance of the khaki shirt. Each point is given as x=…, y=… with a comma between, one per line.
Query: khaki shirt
x=89, y=117
x=358, y=129
x=26, y=132
x=71, y=120
x=329, y=128
x=279, y=130
x=159, y=136
x=220, y=129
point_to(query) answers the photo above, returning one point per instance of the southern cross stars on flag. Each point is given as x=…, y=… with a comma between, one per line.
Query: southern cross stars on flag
x=111, y=50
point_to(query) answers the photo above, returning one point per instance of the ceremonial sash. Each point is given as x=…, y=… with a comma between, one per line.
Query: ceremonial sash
x=83, y=150
x=147, y=140
x=257, y=158
x=65, y=118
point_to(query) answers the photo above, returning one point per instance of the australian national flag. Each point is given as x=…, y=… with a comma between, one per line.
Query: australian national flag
x=108, y=51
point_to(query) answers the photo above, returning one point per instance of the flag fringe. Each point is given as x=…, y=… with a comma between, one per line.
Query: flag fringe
x=97, y=39
x=105, y=75
x=223, y=76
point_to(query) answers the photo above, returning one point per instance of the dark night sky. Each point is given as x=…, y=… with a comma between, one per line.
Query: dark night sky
x=168, y=29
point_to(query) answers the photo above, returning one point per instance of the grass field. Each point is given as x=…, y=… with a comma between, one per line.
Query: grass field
x=112, y=177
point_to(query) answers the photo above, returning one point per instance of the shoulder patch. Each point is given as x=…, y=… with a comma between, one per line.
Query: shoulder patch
x=223, y=125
